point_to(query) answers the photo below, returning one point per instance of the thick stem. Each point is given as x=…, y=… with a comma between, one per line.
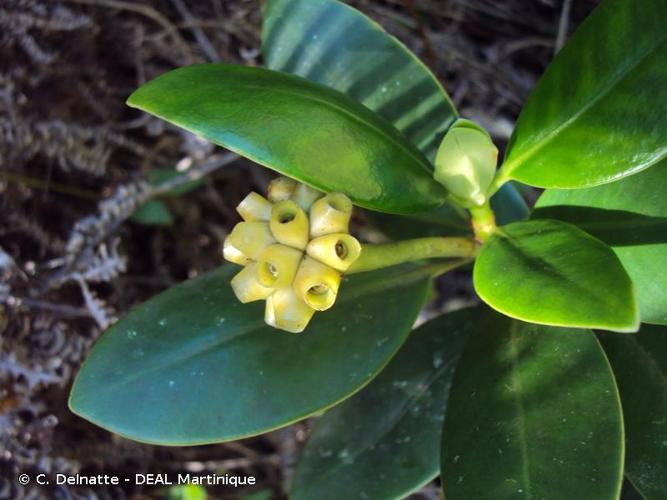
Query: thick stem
x=483, y=222
x=390, y=254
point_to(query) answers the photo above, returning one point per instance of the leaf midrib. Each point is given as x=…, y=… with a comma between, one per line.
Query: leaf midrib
x=553, y=270
x=513, y=163
x=519, y=409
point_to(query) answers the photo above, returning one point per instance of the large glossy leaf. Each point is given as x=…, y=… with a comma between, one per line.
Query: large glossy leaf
x=385, y=441
x=631, y=217
x=302, y=129
x=194, y=366
x=640, y=366
x=333, y=44
x=598, y=113
x=552, y=273
x=533, y=413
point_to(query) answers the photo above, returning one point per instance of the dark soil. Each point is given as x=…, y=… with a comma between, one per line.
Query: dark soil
x=69, y=266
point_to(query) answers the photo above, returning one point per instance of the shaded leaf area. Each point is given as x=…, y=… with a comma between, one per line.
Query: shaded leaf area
x=608, y=122
x=629, y=492
x=640, y=366
x=333, y=44
x=195, y=366
x=384, y=441
x=507, y=204
x=617, y=228
x=302, y=129
x=631, y=216
x=549, y=272
x=533, y=413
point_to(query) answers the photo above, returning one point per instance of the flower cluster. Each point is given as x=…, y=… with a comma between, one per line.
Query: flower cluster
x=294, y=248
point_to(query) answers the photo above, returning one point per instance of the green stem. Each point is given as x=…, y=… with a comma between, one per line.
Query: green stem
x=390, y=254
x=483, y=222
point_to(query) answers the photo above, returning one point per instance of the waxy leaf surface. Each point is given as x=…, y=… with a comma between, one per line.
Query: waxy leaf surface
x=533, y=412
x=550, y=272
x=598, y=113
x=384, y=442
x=630, y=216
x=307, y=131
x=194, y=366
x=640, y=367
x=333, y=44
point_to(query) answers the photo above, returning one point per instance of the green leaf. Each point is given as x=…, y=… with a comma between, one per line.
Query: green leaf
x=187, y=492
x=153, y=213
x=384, y=441
x=598, y=113
x=552, y=273
x=533, y=413
x=194, y=366
x=333, y=44
x=631, y=217
x=302, y=129
x=640, y=366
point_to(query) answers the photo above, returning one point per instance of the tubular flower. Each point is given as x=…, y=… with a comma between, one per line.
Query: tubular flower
x=294, y=247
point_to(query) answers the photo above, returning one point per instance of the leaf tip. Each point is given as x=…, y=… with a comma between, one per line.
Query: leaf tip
x=134, y=99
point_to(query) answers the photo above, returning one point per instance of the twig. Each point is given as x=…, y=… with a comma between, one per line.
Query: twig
x=195, y=173
x=202, y=39
x=146, y=11
x=96, y=307
x=563, y=25
x=62, y=309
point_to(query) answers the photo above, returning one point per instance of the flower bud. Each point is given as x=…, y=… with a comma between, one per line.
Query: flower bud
x=246, y=286
x=254, y=207
x=317, y=284
x=277, y=265
x=466, y=163
x=305, y=196
x=330, y=214
x=338, y=250
x=281, y=189
x=247, y=241
x=285, y=310
x=289, y=224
